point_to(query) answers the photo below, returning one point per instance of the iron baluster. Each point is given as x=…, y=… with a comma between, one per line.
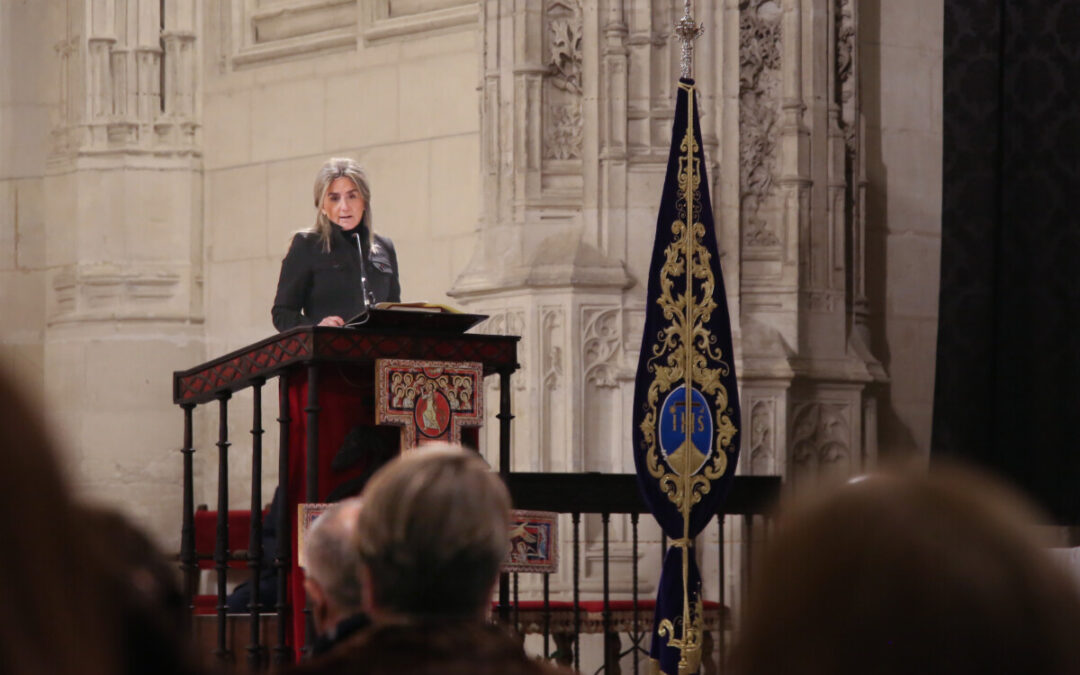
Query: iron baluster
x=636, y=637
x=605, y=519
x=576, y=517
x=547, y=615
x=188, y=562
x=504, y=417
x=282, y=652
x=221, y=548
x=517, y=601
x=311, y=492
x=255, y=549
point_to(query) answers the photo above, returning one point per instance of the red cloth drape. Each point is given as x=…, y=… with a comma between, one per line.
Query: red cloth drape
x=346, y=398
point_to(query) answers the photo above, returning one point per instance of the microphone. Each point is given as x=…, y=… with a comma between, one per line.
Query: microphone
x=366, y=295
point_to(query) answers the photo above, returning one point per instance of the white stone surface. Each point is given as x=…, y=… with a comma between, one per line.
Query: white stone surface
x=362, y=108
x=27, y=101
x=228, y=135
x=902, y=78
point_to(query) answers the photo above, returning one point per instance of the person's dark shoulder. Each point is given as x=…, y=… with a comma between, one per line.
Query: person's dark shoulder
x=478, y=649
x=383, y=242
x=383, y=257
x=306, y=239
x=305, y=246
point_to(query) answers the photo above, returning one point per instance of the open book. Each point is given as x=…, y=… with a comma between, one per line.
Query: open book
x=418, y=307
x=424, y=317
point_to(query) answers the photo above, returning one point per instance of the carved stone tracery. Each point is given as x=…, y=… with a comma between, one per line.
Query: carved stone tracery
x=600, y=346
x=564, y=62
x=563, y=132
x=821, y=439
x=129, y=83
x=509, y=322
x=762, y=436
x=759, y=94
x=845, y=62
x=551, y=324
x=562, y=96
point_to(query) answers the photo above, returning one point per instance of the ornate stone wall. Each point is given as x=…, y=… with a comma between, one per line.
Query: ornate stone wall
x=123, y=296
x=574, y=143
x=155, y=166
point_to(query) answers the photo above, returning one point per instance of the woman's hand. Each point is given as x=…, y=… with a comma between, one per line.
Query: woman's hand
x=335, y=321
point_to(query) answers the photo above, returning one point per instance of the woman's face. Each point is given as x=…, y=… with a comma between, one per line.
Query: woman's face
x=343, y=204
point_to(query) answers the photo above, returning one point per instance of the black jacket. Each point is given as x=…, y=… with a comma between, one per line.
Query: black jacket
x=315, y=284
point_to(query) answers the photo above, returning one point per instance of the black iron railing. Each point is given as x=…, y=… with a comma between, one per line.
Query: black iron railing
x=605, y=495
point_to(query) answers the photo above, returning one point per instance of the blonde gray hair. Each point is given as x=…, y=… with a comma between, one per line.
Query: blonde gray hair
x=433, y=533
x=334, y=168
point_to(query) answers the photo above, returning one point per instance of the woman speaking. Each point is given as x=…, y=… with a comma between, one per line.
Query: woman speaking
x=339, y=267
x=332, y=272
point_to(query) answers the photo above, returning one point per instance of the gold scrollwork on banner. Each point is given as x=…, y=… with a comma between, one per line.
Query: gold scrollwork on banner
x=688, y=313
x=691, y=636
x=686, y=353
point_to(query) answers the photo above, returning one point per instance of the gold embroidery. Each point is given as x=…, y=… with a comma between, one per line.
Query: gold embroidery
x=680, y=355
x=690, y=644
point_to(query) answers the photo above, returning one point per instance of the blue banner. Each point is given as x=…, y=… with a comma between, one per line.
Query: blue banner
x=686, y=401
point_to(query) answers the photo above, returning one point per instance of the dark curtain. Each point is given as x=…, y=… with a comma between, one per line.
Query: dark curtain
x=1008, y=381
x=1007, y=392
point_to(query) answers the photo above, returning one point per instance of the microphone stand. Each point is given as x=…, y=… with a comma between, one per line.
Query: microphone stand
x=365, y=293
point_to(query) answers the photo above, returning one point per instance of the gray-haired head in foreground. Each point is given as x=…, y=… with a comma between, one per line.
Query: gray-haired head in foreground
x=433, y=534
x=331, y=556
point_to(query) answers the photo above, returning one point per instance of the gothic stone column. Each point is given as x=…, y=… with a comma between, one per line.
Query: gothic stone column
x=124, y=291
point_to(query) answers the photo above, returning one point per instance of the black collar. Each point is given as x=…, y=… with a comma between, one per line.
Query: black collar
x=348, y=234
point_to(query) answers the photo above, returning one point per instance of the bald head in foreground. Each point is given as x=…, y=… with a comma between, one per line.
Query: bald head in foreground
x=332, y=575
x=431, y=537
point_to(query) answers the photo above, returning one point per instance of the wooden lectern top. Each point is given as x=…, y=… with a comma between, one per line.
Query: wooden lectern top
x=322, y=344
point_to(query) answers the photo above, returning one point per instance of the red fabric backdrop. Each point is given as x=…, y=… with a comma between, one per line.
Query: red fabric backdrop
x=346, y=402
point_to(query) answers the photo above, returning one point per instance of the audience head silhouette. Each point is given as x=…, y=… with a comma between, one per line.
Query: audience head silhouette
x=83, y=590
x=53, y=617
x=432, y=535
x=145, y=599
x=899, y=574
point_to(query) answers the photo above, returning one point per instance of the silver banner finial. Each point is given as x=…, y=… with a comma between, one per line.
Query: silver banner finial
x=688, y=30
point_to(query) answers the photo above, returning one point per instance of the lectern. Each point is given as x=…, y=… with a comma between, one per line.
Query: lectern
x=328, y=439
